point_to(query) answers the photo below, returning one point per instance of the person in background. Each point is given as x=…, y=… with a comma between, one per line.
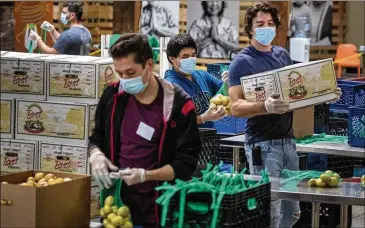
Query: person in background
x=145, y=127
x=200, y=85
x=74, y=41
x=7, y=27
x=215, y=35
x=269, y=131
x=158, y=21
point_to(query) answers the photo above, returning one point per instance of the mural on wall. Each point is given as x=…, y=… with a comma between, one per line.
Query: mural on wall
x=312, y=19
x=160, y=18
x=26, y=14
x=214, y=25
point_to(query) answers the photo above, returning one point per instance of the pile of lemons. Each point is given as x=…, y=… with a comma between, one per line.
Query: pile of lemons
x=327, y=179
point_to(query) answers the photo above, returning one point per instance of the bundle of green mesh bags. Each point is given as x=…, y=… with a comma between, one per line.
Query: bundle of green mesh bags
x=212, y=183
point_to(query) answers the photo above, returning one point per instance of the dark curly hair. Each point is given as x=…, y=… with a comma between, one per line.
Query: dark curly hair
x=251, y=13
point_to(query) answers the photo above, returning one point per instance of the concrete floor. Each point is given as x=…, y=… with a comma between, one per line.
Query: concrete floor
x=358, y=219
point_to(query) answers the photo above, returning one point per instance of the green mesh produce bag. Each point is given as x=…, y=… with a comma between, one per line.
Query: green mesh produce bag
x=322, y=138
x=154, y=43
x=114, y=191
x=224, y=89
x=212, y=182
x=290, y=178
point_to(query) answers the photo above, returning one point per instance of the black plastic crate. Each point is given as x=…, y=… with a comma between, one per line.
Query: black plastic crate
x=329, y=216
x=342, y=165
x=225, y=154
x=321, y=114
x=338, y=127
x=234, y=212
x=207, y=153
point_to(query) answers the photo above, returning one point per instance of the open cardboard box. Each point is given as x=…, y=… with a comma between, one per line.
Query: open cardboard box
x=61, y=205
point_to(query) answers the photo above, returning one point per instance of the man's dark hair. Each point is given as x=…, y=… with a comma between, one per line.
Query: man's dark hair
x=251, y=13
x=76, y=8
x=206, y=12
x=132, y=43
x=179, y=42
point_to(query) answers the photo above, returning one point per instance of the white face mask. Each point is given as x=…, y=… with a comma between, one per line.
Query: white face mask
x=64, y=18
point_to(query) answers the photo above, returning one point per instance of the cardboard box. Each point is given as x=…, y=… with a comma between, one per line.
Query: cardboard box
x=63, y=158
x=303, y=122
x=301, y=85
x=106, y=74
x=60, y=205
x=81, y=79
x=23, y=78
x=7, y=118
x=92, y=110
x=52, y=122
x=18, y=155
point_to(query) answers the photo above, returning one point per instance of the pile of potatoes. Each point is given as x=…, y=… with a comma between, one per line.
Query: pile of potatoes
x=327, y=179
x=113, y=216
x=42, y=180
x=220, y=100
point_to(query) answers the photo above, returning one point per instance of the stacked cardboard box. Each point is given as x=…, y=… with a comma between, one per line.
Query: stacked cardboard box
x=51, y=100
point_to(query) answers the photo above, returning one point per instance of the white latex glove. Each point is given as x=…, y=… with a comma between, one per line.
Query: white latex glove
x=224, y=77
x=213, y=114
x=47, y=26
x=100, y=166
x=34, y=36
x=274, y=105
x=130, y=176
x=338, y=94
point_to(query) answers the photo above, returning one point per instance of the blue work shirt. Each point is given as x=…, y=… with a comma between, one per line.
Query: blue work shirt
x=202, y=88
x=74, y=41
x=251, y=61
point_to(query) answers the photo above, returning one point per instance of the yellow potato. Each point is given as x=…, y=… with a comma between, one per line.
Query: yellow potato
x=31, y=183
x=216, y=100
x=31, y=179
x=51, y=181
x=107, y=209
x=117, y=220
x=225, y=100
x=109, y=201
x=105, y=222
x=24, y=184
x=123, y=211
x=49, y=176
x=114, y=209
x=9, y=202
x=42, y=180
x=3, y=202
x=127, y=225
x=37, y=185
x=4, y=182
x=219, y=96
x=59, y=180
x=102, y=213
x=43, y=184
x=38, y=176
x=67, y=179
x=109, y=225
x=213, y=106
x=111, y=216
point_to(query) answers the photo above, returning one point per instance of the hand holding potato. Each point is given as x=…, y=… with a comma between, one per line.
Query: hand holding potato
x=214, y=113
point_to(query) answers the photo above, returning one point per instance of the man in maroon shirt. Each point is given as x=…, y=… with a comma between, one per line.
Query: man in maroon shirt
x=145, y=131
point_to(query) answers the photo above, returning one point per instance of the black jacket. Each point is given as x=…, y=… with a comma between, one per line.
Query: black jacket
x=180, y=142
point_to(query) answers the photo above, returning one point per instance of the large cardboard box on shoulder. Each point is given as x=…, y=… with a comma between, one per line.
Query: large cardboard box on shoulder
x=60, y=205
x=53, y=122
x=301, y=85
x=23, y=75
x=80, y=79
x=7, y=121
x=18, y=155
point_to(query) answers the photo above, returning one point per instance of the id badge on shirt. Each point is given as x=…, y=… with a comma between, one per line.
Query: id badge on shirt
x=145, y=131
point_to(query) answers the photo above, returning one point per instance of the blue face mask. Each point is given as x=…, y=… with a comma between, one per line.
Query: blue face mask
x=133, y=85
x=64, y=19
x=188, y=65
x=265, y=35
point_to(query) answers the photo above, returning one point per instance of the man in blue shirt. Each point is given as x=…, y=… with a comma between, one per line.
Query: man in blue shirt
x=200, y=85
x=269, y=132
x=74, y=41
